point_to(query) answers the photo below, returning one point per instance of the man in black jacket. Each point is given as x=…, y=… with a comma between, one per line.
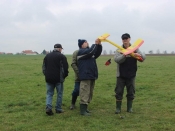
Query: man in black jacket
x=88, y=71
x=55, y=69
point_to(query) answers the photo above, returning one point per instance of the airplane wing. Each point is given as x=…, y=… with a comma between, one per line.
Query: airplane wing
x=127, y=51
x=103, y=37
x=133, y=47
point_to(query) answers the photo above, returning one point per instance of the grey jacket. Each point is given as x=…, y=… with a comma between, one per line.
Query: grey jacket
x=119, y=58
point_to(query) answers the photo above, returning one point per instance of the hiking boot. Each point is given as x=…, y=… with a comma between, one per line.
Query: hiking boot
x=49, y=112
x=72, y=107
x=59, y=111
x=74, y=98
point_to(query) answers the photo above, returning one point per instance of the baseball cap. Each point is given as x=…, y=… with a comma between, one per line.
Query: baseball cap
x=125, y=36
x=58, y=46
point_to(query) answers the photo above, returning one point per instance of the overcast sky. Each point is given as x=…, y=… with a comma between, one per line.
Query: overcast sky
x=39, y=24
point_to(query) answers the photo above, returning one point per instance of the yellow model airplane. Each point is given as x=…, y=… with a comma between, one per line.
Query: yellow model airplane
x=127, y=51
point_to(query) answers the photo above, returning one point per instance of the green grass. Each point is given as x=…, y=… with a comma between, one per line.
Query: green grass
x=23, y=92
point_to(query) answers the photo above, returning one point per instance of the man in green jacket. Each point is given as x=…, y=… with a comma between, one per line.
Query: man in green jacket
x=75, y=92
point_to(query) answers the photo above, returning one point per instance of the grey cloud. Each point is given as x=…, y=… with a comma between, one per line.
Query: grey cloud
x=162, y=20
x=31, y=23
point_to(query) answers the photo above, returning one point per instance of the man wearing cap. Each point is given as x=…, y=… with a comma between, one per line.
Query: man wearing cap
x=88, y=71
x=126, y=73
x=55, y=69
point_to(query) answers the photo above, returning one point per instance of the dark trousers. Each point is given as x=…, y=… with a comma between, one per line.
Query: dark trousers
x=130, y=87
x=76, y=90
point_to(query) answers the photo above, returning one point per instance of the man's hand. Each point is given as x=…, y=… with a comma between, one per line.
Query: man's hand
x=137, y=55
x=98, y=42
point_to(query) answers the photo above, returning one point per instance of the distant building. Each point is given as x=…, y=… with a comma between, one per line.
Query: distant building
x=29, y=52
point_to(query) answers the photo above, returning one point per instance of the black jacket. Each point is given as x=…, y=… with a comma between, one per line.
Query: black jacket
x=55, y=67
x=87, y=62
x=128, y=68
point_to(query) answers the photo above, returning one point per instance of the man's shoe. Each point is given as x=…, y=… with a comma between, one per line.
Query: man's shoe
x=59, y=111
x=74, y=98
x=49, y=112
x=72, y=107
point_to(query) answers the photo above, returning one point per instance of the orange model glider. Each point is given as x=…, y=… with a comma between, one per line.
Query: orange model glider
x=127, y=51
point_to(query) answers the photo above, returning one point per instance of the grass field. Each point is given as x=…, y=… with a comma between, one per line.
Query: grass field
x=23, y=92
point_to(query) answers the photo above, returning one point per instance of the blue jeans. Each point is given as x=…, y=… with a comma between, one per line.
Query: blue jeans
x=75, y=92
x=50, y=92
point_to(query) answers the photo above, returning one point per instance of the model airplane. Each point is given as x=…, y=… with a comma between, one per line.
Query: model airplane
x=108, y=62
x=127, y=51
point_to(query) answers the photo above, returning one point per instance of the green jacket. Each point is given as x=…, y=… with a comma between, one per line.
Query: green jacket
x=74, y=65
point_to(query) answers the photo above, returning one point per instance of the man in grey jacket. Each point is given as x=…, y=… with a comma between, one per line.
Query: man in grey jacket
x=126, y=73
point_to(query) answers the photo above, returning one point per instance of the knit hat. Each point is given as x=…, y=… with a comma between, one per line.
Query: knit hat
x=80, y=42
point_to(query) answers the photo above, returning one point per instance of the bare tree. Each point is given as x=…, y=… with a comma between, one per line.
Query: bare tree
x=158, y=51
x=110, y=52
x=172, y=52
x=104, y=52
x=165, y=52
x=44, y=52
x=151, y=51
x=36, y=52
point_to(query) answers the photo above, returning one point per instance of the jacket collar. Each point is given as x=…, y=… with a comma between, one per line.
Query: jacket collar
x=56, y=51
x=125, y=47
